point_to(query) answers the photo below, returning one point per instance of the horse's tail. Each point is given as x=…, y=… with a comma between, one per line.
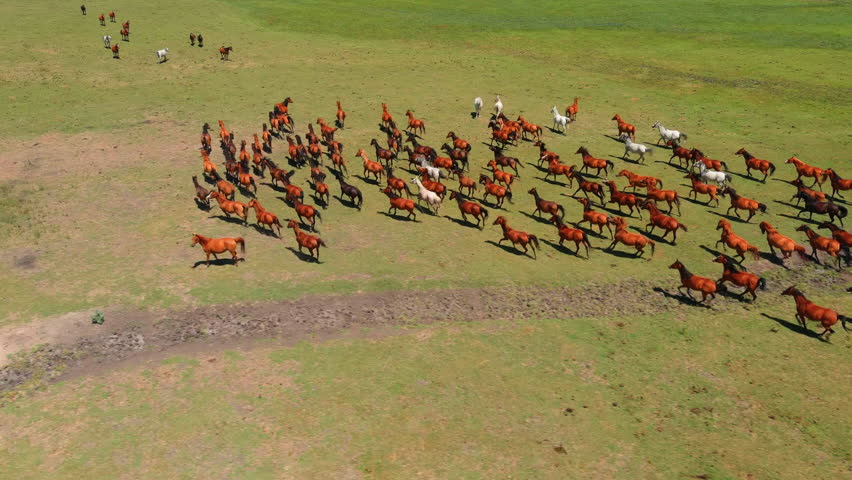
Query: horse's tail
x=843, y=319
x=771, y=168
x=242, y=244
x=682, y=226
x=484, y=214
x=754, y=251
x=509, y=196
x=321, y=242
x=684, y=136
x=761, y=283
x=761, y=207
x=653, y=245
x=407, y=190
x=724, y=165
x=317, y=213
x=559, y=208
x=534, y=241
x=609, y=163
x=728, y=177
x=843, y=211
x=801, y=251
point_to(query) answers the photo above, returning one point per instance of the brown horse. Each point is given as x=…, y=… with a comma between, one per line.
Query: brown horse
x=635, y=180
x=505, y=161
x=498, y=191
x=698, y=187
x=575, y=235
x=730, y=273
x=544, y=155
x=386, y=117
x=398, y=203
x=805, y=170
x=827, y=245
x=224, y=187
x=112, y=17
x=688, y=282
x=264, y=217
x=658, y=219
x=467, y=207
x=382, y=153
x=742, y=203
x=594, y=218
x=763, y=166
x=556, y=168
x=517, y=237
x=215, y=246
x=415, y=124
x=534, y=130
x=732, y=240
x=597, y=163
x=545, y=206
x=571, y=110
x=306, y=211
x=458, y=142
x=776, y=240
x=683, y=154
x=191, y=39
x=465, y=182
x=624, y=127
x=668, y=196
x=225, y=52
x=397, y=184
x=500, y=176
x=587, y=186
x=635, y=240
x=808, y=310
x=125, y=34
x=102, y=20
x=623, y=199
x=802, y=189
x=114, y=49
x=370, y=167
x=697, y=155
x=340, y=115
x=838, y=184
x=230, y=206
x=322, y=193
x=201, y=193
x=304, y=240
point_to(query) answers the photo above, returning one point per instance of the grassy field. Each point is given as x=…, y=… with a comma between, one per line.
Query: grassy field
x=97, y=211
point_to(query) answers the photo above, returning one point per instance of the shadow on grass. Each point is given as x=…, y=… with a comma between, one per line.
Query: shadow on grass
x=564, y=249
x=303, y=256
x=801, y=219
x=774, y=260
x=346, y=203
x=218, y=262
x=265, y=231
x=463, y=223
x=397, y=216
x=509, y=249
x=683, y=299
x=732, y=218
x=537, y=218
x=232, y=220
x=794, y=327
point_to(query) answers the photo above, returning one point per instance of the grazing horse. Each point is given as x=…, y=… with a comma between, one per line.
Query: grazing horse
x=560, y=122
x=689, y=281
x=265, y=217
x=624, y=127
x=623, y=199
x=517, y=237
x=398, y=203
x=230, y=206
x=571, y=110
x=215, y=246
x=635, y=240
x=742, y=203
x=776, y=240
x=806, y=309
x=632, y=147
x=102, y=19
x=415, y=124
x=111, y=17
x=545, y=206
x=667, y=135
x=732, y=240
x=114, y=49
x=201, y=193
x=125, y=34
x=498, y=191
x=107, y=40
x=813, y=206
x=467, y=207
x=594, y=218
x=827, y=245
x=225, y=52
x=424, y=194
x=575, y=235
x=698, y=155
x=477, y=107
x=658, y=219
x=351, y=191
x=340, y=115
x=597, y=163
x=707, y=175
x=805, y=170
x=741, y=278
x=161, y=55
x=838, y=184
x=304, y=240
x=635, y=180
x=587, y=186
x=698, y=187
x=765, y=167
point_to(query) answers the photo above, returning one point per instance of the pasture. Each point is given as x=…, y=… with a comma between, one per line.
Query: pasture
x=621, y=379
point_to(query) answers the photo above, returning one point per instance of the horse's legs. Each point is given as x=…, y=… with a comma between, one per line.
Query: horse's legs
x=208, y=258
x=750, y=214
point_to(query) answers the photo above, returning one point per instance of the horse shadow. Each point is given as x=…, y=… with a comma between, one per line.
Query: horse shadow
x=233, y=220
x=787, y=204
x=218, y=262
x=204, y=207
x=745, y=177
x=563, y=249
x=613, y=138
x=696, y=201
x=552, y=182
x=652, y=236
x=628, y=160
x=768, y=256
x=673, y=165
x=277, y=188
x=397, y=216
x=590, y=231
x=371, y=181
x=801, y=219
x=732, y=218
x=509, y=248
x=463, y=223
x=319, y=201
x=265, y=231
x=539, y=167
x=622, y=254
x=424, y=209
x=304, y=256
x=346, y=203
x=536, y=218
x=556, y=131
x=683, y=299
x=794, y=327
x=716, y=253
x=784, y=181
x=209, y=180
x=247, y=192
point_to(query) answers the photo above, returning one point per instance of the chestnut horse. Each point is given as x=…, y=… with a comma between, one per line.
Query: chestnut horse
x=370, y=167
x=763, y=166
x=805, y=309
x=500, y=176
x=623, y=199
x=517, y=237
x=230, y=206
x=225, y=52
x=658, y=219
x=465, y=182
x=813, y=206
x=575, y=235
x=112, y=17
x=306, y=211
x=545, y=206
x=399, y=203
x=304, y=240
x=500, y=192
x=264, y=217
x=741, y=278
x=597, y=163
x=801, y=188
x=114, y=49
x=776, y=240
x=805, y=170
x=699, y=187
x=827, y=245
x=571, y=110
x=838, y=184
x=215, y=246
x=635, y=240
x=689, y=281
x=505, y=161
x=742, y=203
x=467, y=207
x=386, y=117
x=340, y=115
x=587, y=186
x=624, y=127
x=732, y=240
x=669, y=196
x=842, y=236
x=415, y=124
x=594, y=218
x=635, y=180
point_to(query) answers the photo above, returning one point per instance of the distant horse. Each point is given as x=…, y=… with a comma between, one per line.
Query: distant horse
x=161, y=55
x=477, y=107
x=107, y=40
x=667, y=135
x=224, y=52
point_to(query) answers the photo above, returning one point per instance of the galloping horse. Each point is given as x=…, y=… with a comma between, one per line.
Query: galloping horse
x=730, y=273
x=467, y=207
x=575, y=235
x=623, y=199
x=838, y=184
x=765, y=167
x=597, y=163
x=827, y=245
x=415, y=124
x=340, y=115
x=805, y=170
x=517, y=237
x=688, y=281
x=594, y=218
x=310, y=242
x=264, y=217
x=545, y=206
x=624, y=127
x=732, y=240
x=699, y=187
x=807, y=310
x=635, y=240
x=777, y=240
x=230, y=206
x=214, y=246
x=571, y=110
x=742, y=203
x=398, y=203
x=224, y=52
x=658, y=219
x=500, y=192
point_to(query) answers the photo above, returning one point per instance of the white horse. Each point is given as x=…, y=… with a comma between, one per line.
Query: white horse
x=431, y=198
x=707, y=175
x=632, y=147
x=477, y=106
x=668, y=135
x=107, y=39
x=161, y=55
x=432, y=172
x=498, y=106
x=560, y=122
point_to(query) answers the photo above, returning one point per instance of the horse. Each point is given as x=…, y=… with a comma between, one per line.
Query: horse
x=200, y=41
x=322, y=194
x=683, y=154
x=459, y=142
x=500, y=176
x=669, y=196
x=667, y=135
x=698, y=155
x=306, y=211
x=396, y=184
x=83, y=9
x=224, y=52
x=386, y=116
x=498, y=191
x=201, y=193
x=689, y=281
x=707, y=175
x=632, y=147
x=229, y=207
x=465, y=182
x=424, y=150
x=742, y=203
x=624, y=127
x=801, y=188
x=191, y=39
x=340, y=115
x=587, y=186
x=107, y=40
x=264, y=217
x=370, y=167
x=382, y=153
x=114, y=49
x=439, y=188
x=571, y=110
x=517, y=237
x=415, y=124
x=102, y=20
x=838, y=184
x=635, y=180
x=623, y=199
x=635, y=240
x=215, y=246
x=545, y=206
x=544, y=155
x=498, y=106
x=843, y=237
x=594, y=218
x=575, y=235
x=534, y=130
x=432, y=172
x=560, y=122
x=398, y=203
x=765, y=167
x=826, y=244
x=457, y=155
x=732, y=240
x=805, y=170
x=699, y=187
x=125, y=34
x=477, y=107
x=303, y=240
x=813, y=206
x=730, y=273
x=505, y=161
x=597, y=163
x=658, y=219
x=467, y=207
x=223, y=186
x=806, y=309
x=776, y=240
x=351, y=191
x=431, y=198
x=126, y=25
x=111, y=17
x=161, y=55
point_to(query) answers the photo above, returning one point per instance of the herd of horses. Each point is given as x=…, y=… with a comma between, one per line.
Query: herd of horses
x=432, y=169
